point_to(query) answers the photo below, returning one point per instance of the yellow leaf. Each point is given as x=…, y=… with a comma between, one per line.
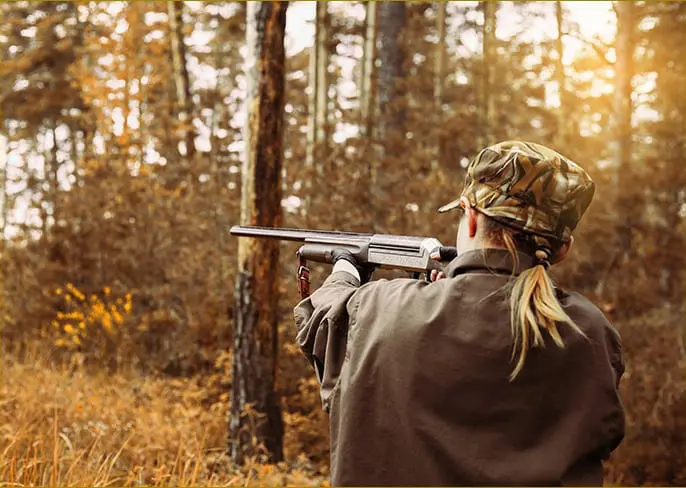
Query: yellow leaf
x=107, y=323
x=117, y=317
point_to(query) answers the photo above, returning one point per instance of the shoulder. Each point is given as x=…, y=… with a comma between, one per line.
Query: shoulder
x=383, y=297
x=579, y=307
x=594, y=323
x=394, y=288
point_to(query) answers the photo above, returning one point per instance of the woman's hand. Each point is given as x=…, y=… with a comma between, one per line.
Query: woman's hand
x=443, y=253
x=436, y=275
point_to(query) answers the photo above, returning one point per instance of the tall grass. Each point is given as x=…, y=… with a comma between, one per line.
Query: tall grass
x=66, y=427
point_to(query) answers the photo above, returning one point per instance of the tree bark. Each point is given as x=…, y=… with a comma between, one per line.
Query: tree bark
x=255, y=416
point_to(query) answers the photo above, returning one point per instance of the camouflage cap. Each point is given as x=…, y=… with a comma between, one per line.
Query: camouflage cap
x=529, y=187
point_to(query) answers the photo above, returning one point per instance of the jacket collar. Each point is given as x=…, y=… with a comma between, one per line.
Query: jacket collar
x=491, y=260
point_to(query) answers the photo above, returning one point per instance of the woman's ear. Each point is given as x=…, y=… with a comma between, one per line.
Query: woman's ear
x=472, y=218
x=562, y=252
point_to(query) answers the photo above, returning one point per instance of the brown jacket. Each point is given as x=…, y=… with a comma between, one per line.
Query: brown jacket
x=414, y=376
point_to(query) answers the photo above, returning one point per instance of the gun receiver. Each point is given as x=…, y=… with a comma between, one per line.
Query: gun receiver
x=409, y=253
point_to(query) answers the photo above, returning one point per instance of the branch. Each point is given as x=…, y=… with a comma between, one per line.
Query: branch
x=597, y=47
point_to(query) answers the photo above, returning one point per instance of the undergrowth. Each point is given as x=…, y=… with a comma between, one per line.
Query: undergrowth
x=68, y=427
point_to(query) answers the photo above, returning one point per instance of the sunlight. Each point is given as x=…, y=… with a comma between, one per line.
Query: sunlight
x=596, y=21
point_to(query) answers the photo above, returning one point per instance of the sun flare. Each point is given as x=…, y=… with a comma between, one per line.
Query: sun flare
x=595, y=21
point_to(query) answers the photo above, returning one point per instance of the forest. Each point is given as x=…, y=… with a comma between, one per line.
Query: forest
x=133, y=135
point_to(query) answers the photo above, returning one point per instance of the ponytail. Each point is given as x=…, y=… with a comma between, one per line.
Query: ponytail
x=534, y=307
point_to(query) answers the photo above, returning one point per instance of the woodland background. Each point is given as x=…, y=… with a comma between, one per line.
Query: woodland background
x=122, y=149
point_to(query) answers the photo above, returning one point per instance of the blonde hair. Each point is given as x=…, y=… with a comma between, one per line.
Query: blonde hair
x=534, y=307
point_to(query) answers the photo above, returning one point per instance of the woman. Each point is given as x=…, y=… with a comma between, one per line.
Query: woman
x=490, y=376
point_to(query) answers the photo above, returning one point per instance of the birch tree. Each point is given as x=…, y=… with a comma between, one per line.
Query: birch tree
x=254, y=411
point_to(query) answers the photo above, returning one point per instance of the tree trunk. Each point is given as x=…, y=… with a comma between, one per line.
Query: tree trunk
x=367, y=99
x=52, y=175
x=367, y=71
x=391, y=58
x=390, y=127
x=254, y=413
x=562, y=122
x=312, y=101
x=322, y=134
x=439, y=82
x=318, y=99
x=4, y=164
x=181, y=79
x=621, y=145
x=439, y=72
x=488, y=121
x=219, y=112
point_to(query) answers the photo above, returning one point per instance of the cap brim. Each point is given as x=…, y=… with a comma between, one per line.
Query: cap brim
x=450, y=206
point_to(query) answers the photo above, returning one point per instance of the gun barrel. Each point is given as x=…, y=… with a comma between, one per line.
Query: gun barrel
x=386, y=251
x=286, y=234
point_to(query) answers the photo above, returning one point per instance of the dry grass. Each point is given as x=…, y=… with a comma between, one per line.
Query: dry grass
x=69, y=428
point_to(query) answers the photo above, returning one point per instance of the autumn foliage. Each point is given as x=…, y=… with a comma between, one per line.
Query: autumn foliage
x=120, y=167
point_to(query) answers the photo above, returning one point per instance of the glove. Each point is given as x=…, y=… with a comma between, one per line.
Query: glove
x=365, y=271
x=444, y=253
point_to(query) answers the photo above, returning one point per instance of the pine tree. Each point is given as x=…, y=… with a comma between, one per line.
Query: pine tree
x=255, y=336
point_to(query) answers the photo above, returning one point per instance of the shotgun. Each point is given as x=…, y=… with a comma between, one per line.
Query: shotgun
x=408, y=253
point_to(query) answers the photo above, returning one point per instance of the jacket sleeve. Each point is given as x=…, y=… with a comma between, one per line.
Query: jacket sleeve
x=615, y=417
x=322, y=322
